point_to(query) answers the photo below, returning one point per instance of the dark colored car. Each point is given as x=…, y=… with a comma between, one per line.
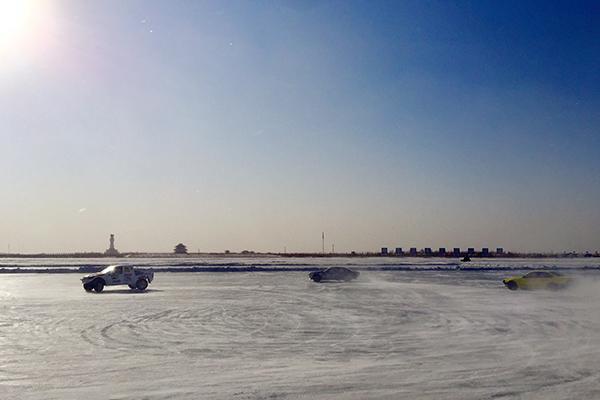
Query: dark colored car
x=334, y=274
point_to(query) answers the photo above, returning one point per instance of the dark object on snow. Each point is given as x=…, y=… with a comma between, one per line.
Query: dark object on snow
x=334, y=274
x=466, y=258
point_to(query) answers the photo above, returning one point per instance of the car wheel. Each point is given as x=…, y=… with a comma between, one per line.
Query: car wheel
x=131, y=287
x=87, y=287
x=141, y=284
x=99, y=285
x=512, y=285
x=317, y=277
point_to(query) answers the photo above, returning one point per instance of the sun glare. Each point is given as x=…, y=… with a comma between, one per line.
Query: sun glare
x=15, y=16
x=26, y=26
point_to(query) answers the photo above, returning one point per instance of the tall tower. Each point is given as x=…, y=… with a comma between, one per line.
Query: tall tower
x=111, y=251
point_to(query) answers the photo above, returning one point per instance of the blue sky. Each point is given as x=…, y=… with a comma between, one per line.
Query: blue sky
x=234, y=125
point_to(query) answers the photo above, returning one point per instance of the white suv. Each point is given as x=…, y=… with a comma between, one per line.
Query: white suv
x=118, y=275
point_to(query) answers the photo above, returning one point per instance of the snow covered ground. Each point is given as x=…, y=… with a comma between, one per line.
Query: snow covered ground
x=276, y=335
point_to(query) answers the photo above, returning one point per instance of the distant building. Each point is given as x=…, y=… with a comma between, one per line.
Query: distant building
x=384, y=251
x=442, y=252
x=499, y=250
x=456, y=252
x=111, y=251
x=180, y=249
x=427, y=251
x=471, y=251
x=485, y=252
x=413, y=251
x=399, y=251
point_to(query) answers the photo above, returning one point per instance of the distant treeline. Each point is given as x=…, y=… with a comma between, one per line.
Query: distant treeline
x=252, y=268
x=298, y=255
x=446, y=255
x=52, y=255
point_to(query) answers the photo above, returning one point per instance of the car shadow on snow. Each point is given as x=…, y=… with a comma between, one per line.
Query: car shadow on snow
x=128, y=291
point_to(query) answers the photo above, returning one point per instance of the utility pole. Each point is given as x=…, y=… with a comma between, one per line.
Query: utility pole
x=332, y=248
x=323, y=241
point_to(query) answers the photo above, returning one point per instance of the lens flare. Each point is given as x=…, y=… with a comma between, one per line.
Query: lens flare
x=15, y=18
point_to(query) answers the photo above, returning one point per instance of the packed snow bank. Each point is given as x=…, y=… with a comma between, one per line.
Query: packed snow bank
x=279, y=264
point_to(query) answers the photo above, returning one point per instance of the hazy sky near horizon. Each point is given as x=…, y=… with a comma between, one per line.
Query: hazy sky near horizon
x=260, y=124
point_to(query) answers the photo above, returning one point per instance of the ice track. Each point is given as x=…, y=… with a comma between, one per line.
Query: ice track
x=389, y=335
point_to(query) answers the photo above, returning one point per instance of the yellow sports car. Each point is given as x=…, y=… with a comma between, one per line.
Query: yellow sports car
x=538, y=280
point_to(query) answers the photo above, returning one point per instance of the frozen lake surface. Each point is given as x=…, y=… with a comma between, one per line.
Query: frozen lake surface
x=388, y=335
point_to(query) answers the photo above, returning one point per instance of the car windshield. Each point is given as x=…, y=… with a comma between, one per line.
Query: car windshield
x=538, y=274
x=109, y=269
